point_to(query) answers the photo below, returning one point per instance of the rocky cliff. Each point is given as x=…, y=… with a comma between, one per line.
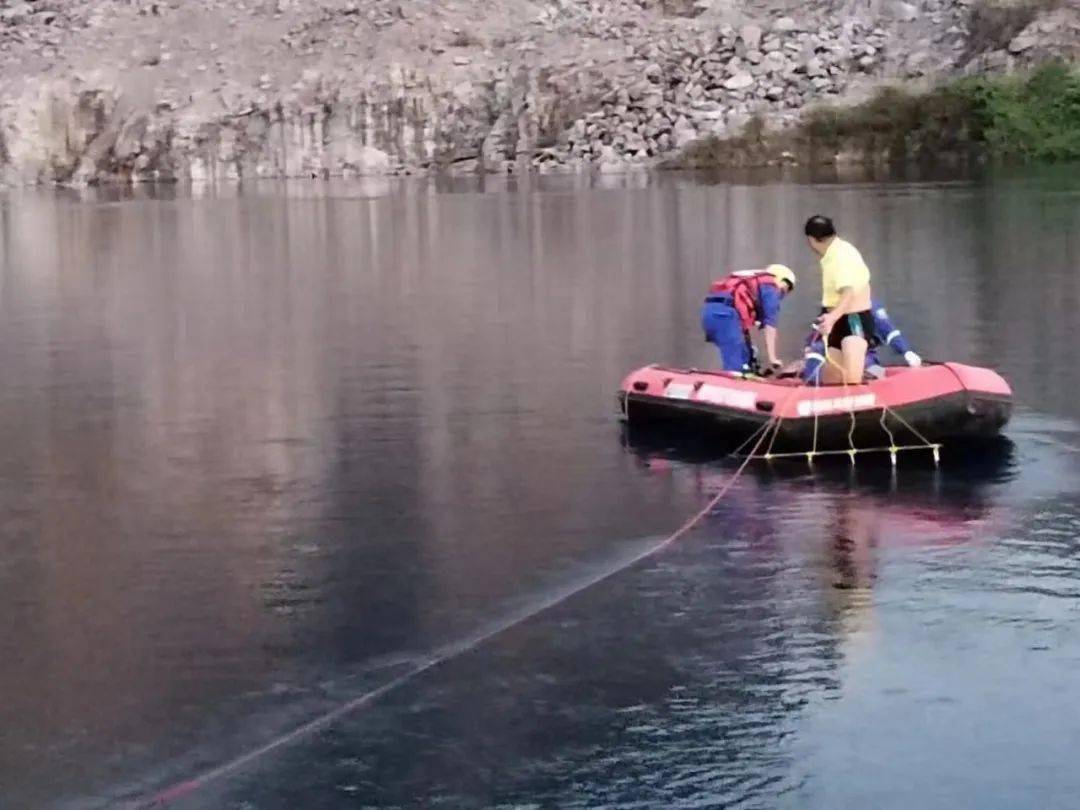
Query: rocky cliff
x=103, y=90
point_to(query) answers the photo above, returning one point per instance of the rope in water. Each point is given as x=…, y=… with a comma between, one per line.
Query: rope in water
x=440, y=656
x=453, y=650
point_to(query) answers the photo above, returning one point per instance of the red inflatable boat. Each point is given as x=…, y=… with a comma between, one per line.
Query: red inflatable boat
x=935, y=403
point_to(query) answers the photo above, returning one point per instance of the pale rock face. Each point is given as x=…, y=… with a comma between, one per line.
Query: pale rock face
x=128, y=90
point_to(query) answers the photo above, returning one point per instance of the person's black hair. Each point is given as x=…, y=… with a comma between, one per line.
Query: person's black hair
x=819, y=227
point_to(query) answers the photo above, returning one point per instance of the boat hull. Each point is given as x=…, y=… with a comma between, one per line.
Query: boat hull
x=940, y=404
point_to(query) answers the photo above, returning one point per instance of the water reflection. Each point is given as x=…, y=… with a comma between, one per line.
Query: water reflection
x=265, y=445
x=694, y=686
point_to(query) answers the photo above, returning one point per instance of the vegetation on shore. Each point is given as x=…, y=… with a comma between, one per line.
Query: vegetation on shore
x=1033, y=117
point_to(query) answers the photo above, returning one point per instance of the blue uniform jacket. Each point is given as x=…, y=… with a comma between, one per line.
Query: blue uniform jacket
x=769, y=299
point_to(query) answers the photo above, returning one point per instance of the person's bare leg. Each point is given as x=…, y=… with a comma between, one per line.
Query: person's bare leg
x=854, y=353
x=832, y=373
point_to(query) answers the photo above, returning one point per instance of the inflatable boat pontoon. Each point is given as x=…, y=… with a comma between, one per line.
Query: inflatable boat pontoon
x=936, y=403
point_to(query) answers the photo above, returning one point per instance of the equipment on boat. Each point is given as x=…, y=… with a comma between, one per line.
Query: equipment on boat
x=909, y=408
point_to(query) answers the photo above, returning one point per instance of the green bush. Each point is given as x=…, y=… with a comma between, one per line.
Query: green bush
x=1036, y=117
x=1032, y=117
x=894, y=119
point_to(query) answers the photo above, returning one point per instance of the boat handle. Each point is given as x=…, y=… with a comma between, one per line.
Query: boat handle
x=765, y=405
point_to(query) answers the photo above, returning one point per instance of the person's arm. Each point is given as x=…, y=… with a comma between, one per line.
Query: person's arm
x=770, y=346
x=770, y=315
x=829, y=319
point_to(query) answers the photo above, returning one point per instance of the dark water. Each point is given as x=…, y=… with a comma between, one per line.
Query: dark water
x=262, y=454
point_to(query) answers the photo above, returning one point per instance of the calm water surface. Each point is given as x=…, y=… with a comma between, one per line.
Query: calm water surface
x=263, y=453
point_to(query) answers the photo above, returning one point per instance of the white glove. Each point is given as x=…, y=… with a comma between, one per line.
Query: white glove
x=913, y=359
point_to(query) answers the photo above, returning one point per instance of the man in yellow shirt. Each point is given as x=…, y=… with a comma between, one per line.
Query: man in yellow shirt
x=846, y=321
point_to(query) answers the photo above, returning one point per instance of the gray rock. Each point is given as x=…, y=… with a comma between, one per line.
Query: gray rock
x=660, y=123
x=653, y=101
x=740, y=81
x=1023, y=42
x=638, y=90
x=706, y=111
x=917, y=62
x=750, y=36
x=737, y=121
x=683, y=134
x=905, y=12
x=997, y=61
x=776, y=62
x=785, y=24
x=16, y=13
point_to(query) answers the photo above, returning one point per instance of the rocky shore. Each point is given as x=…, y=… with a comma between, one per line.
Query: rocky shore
x=206, y=90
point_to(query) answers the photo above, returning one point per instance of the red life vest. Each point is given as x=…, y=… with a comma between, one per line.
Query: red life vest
x=744, y=287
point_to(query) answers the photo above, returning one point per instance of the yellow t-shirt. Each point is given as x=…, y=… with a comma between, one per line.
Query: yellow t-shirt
x=841, y=266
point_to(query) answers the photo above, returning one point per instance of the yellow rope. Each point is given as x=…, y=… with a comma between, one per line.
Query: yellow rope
x=764, y=426
x=852, y=450
x=908, y=425
x=844, y=382
x=932, y=447
x=776, y=432
x=892, y=439
x=774, y=424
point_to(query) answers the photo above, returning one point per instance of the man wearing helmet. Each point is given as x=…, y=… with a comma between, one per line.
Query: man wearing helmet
x=737, y=303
